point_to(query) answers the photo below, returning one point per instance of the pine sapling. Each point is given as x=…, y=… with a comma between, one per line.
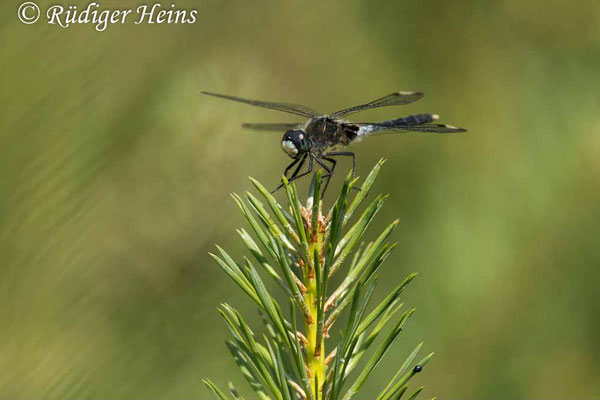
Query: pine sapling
x=300, y=247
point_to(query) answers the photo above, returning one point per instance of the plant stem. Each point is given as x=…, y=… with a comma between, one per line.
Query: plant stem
x=315, y=352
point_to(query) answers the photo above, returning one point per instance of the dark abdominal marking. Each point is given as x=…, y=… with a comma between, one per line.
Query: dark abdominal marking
x=351, y=131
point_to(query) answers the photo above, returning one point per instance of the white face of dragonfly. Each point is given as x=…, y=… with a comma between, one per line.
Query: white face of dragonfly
x=289, y=148
x=295, y=143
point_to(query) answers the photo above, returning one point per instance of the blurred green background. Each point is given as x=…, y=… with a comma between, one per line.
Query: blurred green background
x=116, y=174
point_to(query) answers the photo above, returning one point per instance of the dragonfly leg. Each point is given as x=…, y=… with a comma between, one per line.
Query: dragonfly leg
x=295, y=175
x=344, y=153
x=287, y=169
x=348, y=154
x=328, y=169
x=308, y=171
x=310, y=167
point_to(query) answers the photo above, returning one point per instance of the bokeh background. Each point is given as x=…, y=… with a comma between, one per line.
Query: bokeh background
x=116, y=172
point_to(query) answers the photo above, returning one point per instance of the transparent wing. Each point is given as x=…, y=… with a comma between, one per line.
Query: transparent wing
x=431, y=128
x=285, y=107
x=394, y=99
x=410, y=120
x=383, y=128
x=282, y=127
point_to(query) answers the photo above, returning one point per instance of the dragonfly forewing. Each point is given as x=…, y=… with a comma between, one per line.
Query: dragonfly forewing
x=272, y=126
x=285, y=107
x=394, y=99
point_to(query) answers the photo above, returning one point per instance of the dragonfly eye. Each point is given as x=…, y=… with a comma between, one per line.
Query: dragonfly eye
x=295, y=142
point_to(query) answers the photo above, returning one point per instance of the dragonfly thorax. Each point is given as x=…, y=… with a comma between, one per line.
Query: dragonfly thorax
x=295, y=142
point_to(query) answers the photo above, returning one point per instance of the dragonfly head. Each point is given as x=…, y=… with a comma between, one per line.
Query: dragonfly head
x=295, y=143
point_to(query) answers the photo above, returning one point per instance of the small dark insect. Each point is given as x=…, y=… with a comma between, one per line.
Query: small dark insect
x=319, y=138
x=418, y=368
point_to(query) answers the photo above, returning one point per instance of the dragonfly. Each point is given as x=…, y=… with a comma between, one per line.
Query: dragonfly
x=320, y=138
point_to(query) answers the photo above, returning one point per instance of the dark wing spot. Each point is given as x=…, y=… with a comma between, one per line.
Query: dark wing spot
x=351, y=131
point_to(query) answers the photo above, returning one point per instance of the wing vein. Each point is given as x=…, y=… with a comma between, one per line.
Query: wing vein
x=285, y=107
x=394, y=99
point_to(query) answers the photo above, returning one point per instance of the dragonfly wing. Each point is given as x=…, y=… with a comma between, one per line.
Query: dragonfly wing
x=382, y=128
x=394, y=99
x=282, y=127
x=285, y=107
x=411, y=120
